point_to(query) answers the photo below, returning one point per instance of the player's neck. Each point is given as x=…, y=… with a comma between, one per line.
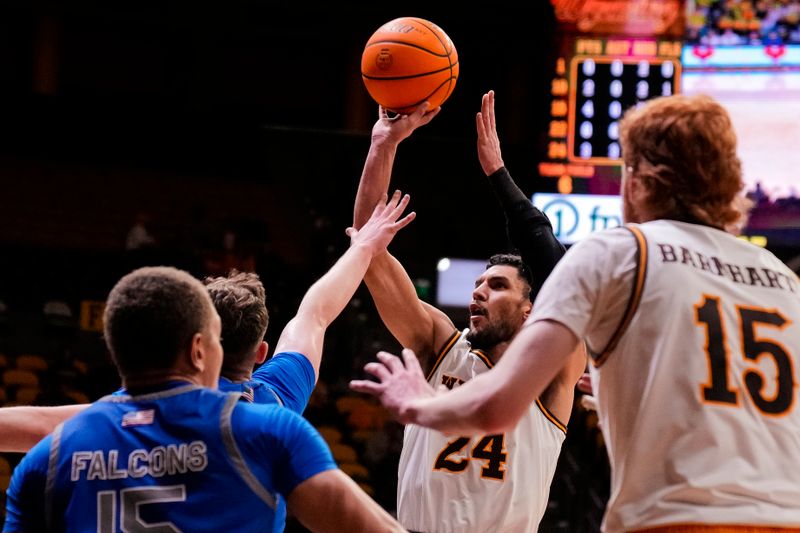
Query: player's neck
x=237, y=376
x=140, y=381
x=496, y=351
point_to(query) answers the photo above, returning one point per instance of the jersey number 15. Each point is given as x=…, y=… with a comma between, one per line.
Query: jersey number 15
x=709, y=315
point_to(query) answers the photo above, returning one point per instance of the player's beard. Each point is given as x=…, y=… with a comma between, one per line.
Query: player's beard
x=491, y=334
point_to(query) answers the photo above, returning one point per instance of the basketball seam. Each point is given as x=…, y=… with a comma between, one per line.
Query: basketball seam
x=409, y=76
x=421, y=23
x=411, y=45
x=450, y=88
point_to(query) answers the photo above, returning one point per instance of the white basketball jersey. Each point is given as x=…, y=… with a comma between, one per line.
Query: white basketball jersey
x=697, y=388
x=495, y=483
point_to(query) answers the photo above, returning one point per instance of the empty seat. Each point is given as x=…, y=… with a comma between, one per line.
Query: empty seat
x=23, y=378
x=355, y=470
x=366, y=487
x=362, y=435
x=76, y=395
x=32, y=362
x=367, y=416
x=5, y=466
x=344, y=453
x=26, y=395
x=331, y=434
x=346, y=404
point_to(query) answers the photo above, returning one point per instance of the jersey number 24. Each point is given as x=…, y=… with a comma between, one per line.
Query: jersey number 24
x=490, y=449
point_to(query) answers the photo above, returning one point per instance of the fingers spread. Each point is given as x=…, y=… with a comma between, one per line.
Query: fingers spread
x=377, y=370
x=369, y=387
x=391, y=361
x=405, y=221
x=401, y=206
x=411, y=362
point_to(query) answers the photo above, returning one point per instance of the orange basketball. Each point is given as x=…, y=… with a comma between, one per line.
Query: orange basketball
x=407, y=61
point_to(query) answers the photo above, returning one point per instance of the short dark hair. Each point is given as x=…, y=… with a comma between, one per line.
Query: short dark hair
x=515, y=261
x=151, y=316
x=240, y=300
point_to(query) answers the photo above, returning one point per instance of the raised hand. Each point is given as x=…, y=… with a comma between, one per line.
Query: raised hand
x=399, y=383
x=399, y=127
x=488, y=143
x=380, y=229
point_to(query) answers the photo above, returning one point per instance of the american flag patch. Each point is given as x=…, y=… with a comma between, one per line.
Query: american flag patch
x=138, y=418
x=248, y=395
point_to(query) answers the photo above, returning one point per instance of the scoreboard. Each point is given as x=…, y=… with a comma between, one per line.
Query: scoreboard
x=612, y=55
x=601, y=89
x=591, y=91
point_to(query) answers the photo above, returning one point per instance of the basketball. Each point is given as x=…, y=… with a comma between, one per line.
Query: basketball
x=407, y=61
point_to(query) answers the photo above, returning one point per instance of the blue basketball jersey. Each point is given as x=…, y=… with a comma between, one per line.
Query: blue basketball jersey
x=183, y=459
x=287, y=379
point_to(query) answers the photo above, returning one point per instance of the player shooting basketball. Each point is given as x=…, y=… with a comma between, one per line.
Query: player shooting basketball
x=498, y=481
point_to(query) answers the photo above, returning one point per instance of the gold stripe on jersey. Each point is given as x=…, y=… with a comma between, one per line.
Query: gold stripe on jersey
x=550, y=416
x=710, y=528
x=483, y=357
x=448, y=345
x=633, y=302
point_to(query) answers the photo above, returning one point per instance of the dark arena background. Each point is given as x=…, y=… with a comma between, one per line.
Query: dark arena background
x=212, y=136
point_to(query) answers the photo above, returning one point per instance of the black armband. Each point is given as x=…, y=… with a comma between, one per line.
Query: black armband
x=529, y=230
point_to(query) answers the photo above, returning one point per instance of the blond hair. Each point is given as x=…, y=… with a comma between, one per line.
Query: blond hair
x=683, y=148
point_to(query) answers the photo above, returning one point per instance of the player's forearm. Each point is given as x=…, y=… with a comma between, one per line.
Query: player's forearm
x=374, y=179
x=529, y=229
x=22, y=427
x=506, y=190
x=470, y=409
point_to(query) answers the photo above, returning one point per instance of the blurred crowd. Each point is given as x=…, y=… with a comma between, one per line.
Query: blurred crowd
x=735, y=22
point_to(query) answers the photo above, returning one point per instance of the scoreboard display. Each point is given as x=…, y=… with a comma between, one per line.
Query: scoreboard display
x=601, y=88
x=594, y=85
x=612, y=55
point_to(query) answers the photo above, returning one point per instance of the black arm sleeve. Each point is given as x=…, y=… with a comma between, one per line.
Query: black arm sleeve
x=528, y=229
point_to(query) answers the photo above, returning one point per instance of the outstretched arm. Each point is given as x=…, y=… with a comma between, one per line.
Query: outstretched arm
x=529, y=229
x=328, y=296
x=22, y=427
x=387, y=134
x=412, y=322
x=332, y=502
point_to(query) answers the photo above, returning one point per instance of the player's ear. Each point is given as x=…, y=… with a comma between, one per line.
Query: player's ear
x=527, y=307
x=261, y=352
x=196, y=356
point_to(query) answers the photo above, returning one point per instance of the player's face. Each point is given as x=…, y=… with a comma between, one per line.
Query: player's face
x=212, y=351
x=499, y=307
